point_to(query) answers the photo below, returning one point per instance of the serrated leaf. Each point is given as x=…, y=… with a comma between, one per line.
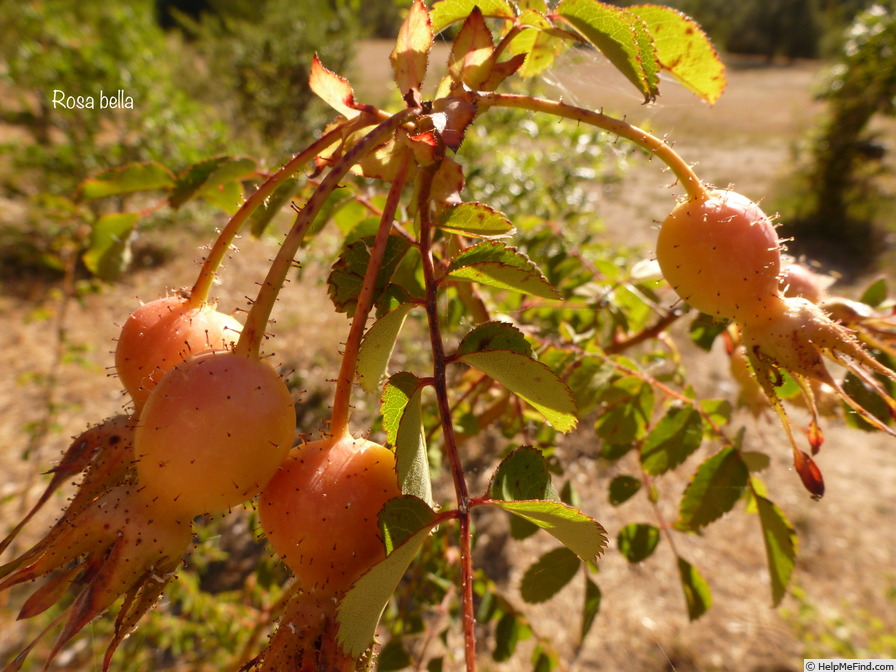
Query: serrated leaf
x=360, y=609
x=110, y=244
x=628, y=405
x=471, y=52
x=128, y=179
x=875, y=294
x=714, y=489
x=697, y=594
x=446, y=12
x=264, y=213
x=495, y=336
x=333, y=89
x=672, y=440
x=684, y=50
x=538, y=42
x=590, y=608
x=522, y=475
x=531, y=381
x=410, y=56
x=548, y=575
x=780, y=546
x=637, y=541
x=402, y=518
x=398, y=392
x=475, y=220
x=207, y=174
x=621, y=37
x=623, y=488
x=347, y=276
x=495, y=264
x=448, y=181
x=377, y=345
x=583, y=535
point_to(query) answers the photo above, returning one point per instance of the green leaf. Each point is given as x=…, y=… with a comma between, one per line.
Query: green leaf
x=475, y=220
x=704, y=330
x=401, y=518
x=551, y=572
x=628, y=405
x=714, y=489
x=446, y=12
x=875, y=294
x=780, y=546
x=507, y=636
x=348, y=271
x=622, y=37
x=401, y=387
x=494, y=264
x=591, y=606
x=718, y=410
x=684, y=50
x=128, y=179
x=522, y=475
x=207, y=174
x=637, y=541
x=226, y=197
x=495, y=336
x=678, y=434
x=411, y=456
x=393, y=657
x=264, y=213
x=377, y=345
x=531, y=381
x=110, y=244
x=583, y=535
x=697, y=594
x=623, y=488
x=360, y=610
x=539, y=41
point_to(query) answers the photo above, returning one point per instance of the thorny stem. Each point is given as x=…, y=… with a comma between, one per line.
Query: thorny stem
x=663, y=151
x=253, y=332
x=440, y=384
x=348, y=367
x=202, y=287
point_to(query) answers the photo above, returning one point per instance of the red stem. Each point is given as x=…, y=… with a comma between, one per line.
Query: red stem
x=348, y=367
x=440, y=384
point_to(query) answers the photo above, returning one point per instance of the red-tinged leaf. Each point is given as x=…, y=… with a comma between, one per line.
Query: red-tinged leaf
x=426, y=147
x=501, y=71
x=622, y=37
x=471, y=53
x=684, y=50
x=333, y=89
x=411, y=54
x=48, y=594
x=809, y=473
x=448, y=182
x=446, y=12
x=451, y=117
x=386, y=161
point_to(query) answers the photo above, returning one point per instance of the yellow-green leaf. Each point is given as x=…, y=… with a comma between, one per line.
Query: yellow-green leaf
x=377, y=345
x=684, y=50
x=495, y=264
x=446, y=12
x=127, y=180
x=476, y=220
x=780, y=546
x=411, y=54
x=581, y=534
x=697, y=594
x=110, y=238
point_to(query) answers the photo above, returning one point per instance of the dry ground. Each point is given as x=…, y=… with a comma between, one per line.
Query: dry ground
x=847, y=557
